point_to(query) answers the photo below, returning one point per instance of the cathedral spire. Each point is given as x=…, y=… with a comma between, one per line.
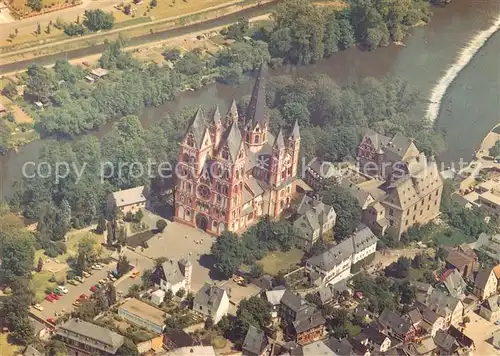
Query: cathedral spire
x=295, y=131
x=279, y=142
x=256, y=110
x=216, y=118
x=232, y=114
x=198, y=127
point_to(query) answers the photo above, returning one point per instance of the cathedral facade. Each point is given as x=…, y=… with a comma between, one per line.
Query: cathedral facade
x=232, y=170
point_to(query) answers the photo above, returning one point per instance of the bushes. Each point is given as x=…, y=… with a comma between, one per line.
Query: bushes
x=74, y=29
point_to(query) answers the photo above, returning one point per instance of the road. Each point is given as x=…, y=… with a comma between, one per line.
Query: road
x=66, y=301
x=136, y=41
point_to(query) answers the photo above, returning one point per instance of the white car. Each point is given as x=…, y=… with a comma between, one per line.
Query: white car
x=38, y=307
x=97, y=266
x=63, y=289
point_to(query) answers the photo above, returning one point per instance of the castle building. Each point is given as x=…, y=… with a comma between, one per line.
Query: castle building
x=232, y=170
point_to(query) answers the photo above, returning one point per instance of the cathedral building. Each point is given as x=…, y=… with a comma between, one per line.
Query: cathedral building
x=232, y=170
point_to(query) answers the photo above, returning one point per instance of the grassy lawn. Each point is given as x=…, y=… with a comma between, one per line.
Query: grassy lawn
x=169, y=8
x=277, y=261
x=7, y=348
x=40, y=281
x=443, y=235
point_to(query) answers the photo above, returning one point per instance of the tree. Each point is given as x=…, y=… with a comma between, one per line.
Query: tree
x=23, y=331
x=161, y=224
x=123, y=265
x=256, y=271
x=40, y=82
x=57, y=348
x=466, y=320
x=101, y=227
x=78, y=19
x=74, y=29
x=209, y=323
x=10, y=90
x=147, y=279
x=299, y=28
x=38, y=29
x=254, y=311
x=399, y=269
x=122, y=236
x=111, y=294
x=128, y=349
x=347, y=209
x=48, y=29
x=228, y=254
x=134, y=290
x=39, y=265
x=17, y=252
x=159, y=261
x=495, y=150
x=181, y=293
x=96, y=20
x=35, y=5
x=237, y=30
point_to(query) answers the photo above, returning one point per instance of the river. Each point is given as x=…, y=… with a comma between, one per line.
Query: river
x=470, y=107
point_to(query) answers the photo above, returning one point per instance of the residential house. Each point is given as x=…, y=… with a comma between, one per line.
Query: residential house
x=325, y=295
x=424, y=346
x=376, y=341
x=317, y=172
x=85, y=339
x=335, y=264
x=143, y=315
x=485, y=283
x=496, y=340
x=317, y=348
x=31, y=351
x=431, y=321
x=446, y=343
x=190, y=351
x=173, y=275
x=274, y=298
x=490, y=308
x=461, y=258
x=364, y=197
x=255, y=343
x=487, y=197
x=294, y=307
x=396, y=326
x=315, y=219
x=309, y=328
x=347, y=347
x=127, y=201
x=175, y=339
x=449, y=308
x=489, y=244
x=453, y=283
x=465, y=343
x=99, y=73
x=211, y=301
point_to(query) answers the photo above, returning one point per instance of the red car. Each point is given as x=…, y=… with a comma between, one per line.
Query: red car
x=49, y=298
x=51, y=320
x=83, y=297
x=93, y=289
x=54, y=296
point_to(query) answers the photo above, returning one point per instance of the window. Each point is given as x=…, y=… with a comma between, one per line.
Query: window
x=256, y=139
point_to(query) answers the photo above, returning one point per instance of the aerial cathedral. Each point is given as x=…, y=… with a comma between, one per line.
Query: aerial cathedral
x=232, y=170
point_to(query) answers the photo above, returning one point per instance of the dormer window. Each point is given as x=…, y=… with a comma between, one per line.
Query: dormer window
x=256, y=139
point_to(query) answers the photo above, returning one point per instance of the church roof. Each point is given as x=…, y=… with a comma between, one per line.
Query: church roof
x=295, y=131
x=216, y=117
x=256, y=110
x=198, y=127
x=233, y=141
x=279, y=142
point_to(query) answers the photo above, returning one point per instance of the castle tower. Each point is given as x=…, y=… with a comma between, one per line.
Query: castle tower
x=232, y=114
x=187, y=270
x=256, y=123
x=216, y=128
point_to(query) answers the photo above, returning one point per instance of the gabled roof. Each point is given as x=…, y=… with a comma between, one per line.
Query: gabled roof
x=372, y=334
x=172, y=271
x=274, y=296
x=233, y=140
x=256, y=110
x=455, y=284
x=209, y=296
x=255, y=341
x=317, y=348
x=198, y=127
x=396, y=322
x=340, y=347
x=378, y=141
x=129, y=196
x=279, y=142
x=309, y=322
x=363, y=238
x=482, y=278
x=293, y=301
x=334, y=256
x=91, y=334
x=492, y=303
x=439, y=302
x=445, y=341
x=398, y=146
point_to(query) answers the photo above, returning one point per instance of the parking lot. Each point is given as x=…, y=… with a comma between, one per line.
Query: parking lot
x=481, y=331
x=66, y=301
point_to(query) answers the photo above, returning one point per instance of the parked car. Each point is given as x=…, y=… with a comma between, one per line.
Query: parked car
x=83, y=297
x=54, y=296
x=38, y=307
x=134, y=274
x=86, y=274
x=497, y=322
x=63, y=289
x=49, y=298
x=94, y=288
x=73, y=282
x=51, y=320
x=58, y=292
x=98, y=266
x=76, y=303
x=79, y=279
x=102, y=282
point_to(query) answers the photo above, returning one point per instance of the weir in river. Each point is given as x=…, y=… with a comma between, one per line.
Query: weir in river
x=464, y=57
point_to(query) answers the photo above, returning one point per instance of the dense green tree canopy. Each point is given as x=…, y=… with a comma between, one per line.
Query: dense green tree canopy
x=96, y=20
